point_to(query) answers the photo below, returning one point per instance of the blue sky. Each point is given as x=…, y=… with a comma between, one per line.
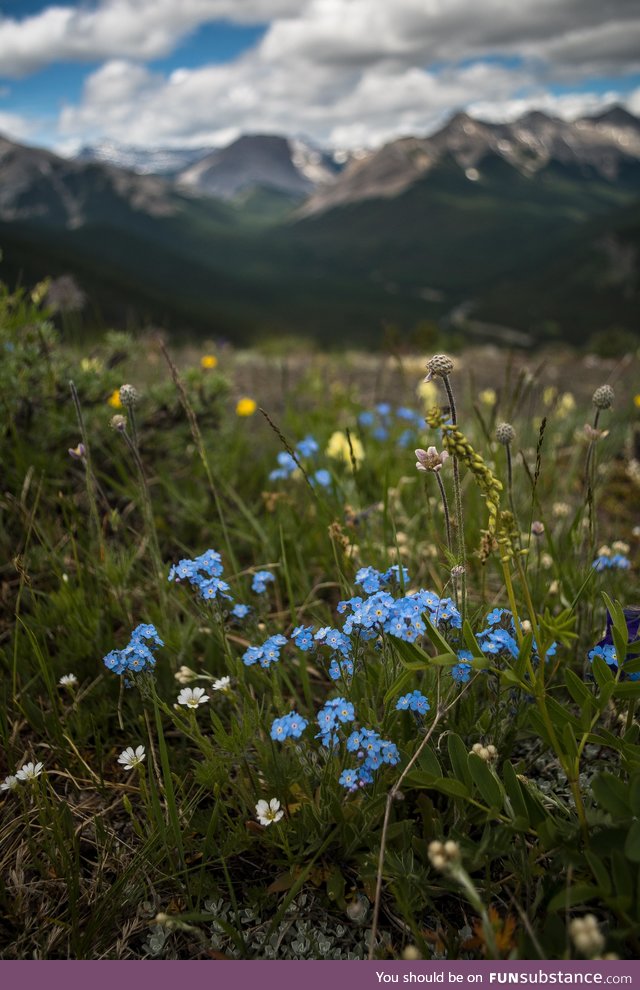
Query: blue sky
x=345, y=73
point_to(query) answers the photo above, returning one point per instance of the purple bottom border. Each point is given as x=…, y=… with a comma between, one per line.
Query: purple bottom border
x=310, y=975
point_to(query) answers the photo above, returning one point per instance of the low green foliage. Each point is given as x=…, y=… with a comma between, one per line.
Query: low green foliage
x=496, y=798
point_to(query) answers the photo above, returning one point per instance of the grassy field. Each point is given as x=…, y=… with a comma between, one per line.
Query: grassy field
x=270, y=691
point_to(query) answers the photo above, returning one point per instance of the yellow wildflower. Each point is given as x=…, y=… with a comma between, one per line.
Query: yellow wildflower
x=246, y=407
x=488, y=397
x=91, y=364
x=114, y=399
x=566, y=405
x=636, y=400
x=208, y=361
x=550, y=395
x=338, y=448
x=428, y=392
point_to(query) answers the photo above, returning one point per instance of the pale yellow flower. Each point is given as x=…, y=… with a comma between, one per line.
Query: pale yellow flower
x=566, y=405
x=114, y=399
x=636, y=400
x=488, y=397
x=338, y=448
x=246, y=406
x=428, y=393
x=91, y=364
x=208, y=361
x=550, y=395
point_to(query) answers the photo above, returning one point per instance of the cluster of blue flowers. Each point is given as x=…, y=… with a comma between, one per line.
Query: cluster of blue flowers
x=499, y=636
x=373, y=752
x=290, y=726
x=461, y=672
x=287, y=466
x=413, y=702
x=204, y=573
x=335, y=712
x=371, y=580
x=614, y=562
x=400, y=617
x=382, y=422
x=370, y=749
x=266, y=654
x=137, y=655
x=260, y=581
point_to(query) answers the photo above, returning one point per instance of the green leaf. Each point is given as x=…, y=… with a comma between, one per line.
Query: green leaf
x=602, y=672
x=428, y=762
x=578, y=689
x=514, y=791
x=470, y=640
x=336, y=885
x=450, y=786
x=617, y=616
x=569, y=740
x=560, y=716
x=600, y=872
x=632, y=843
x=511, y=678
x=485, y=780
x=438, y=641
x=406, y=678
x=622, y=876
x=632, y=666
x=459, y=758
x=580, y=894
x=634, y=795
x=411, y=655
x=445, y=785
x=612, y=795
x=628, y=689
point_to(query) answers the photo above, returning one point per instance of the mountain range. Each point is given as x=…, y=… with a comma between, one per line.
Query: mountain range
x=514, y=231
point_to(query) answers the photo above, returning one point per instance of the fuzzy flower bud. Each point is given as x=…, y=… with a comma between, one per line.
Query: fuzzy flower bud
x=505, y=433
x=537, y=527
x=439, y=366
x=128, y=395
x=486, y=753
x=118, y=423
x=443, y=855
x=185, y=675
x=586, y=935
x=603, y=397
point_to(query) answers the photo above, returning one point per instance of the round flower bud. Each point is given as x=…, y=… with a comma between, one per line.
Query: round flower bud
x=505, y=433
x=603, y=397
x=118, y=423
x=440, y=365
x=128, y=395
x=411, y=952
x=452, y=849
x=537, y=527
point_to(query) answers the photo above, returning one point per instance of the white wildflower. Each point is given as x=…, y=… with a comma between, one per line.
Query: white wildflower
x=192, y=697
x=222, y=684
x=29, y=771
x=130, y=757
x=68, y=681
x=9, y=783
x=267, y=812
